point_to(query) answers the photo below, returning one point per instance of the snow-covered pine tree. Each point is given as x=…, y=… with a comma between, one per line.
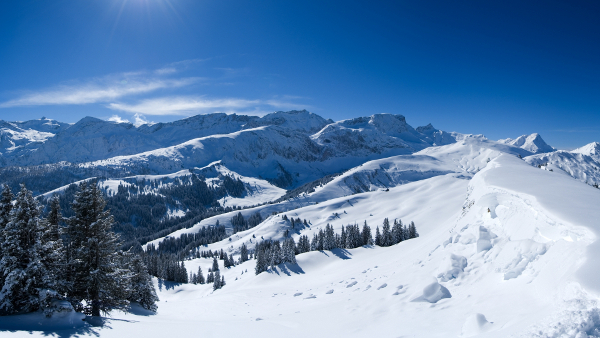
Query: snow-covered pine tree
x=23, y=289
x=377, y=237
x=215, y=264
x=397, y=233
x=412, y=231
x=314, y=244
x=52, y=253
x=367, y=238
x=276, y=256
x=343, y=238
x=200, y=276
x=243, y=253
x=141, y=286
x=329, y=242
x=386, y=234
x=97, y=277
x=217, y=281
x=5, y=208
x=210, y=278
x=321, y=237
x=289, y=251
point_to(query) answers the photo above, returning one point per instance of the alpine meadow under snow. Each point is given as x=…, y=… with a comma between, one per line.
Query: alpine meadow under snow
x=293, y=225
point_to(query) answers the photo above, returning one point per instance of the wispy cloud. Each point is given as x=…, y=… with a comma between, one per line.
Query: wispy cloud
x=184, y=105
x=97, y=90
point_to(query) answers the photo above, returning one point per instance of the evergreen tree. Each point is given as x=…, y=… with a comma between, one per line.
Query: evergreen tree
x=97, y=277
x=215, y=264
x=141, y=285
x=25, y=274
x=314, y=244
x=5, y=208
x=200, y=276
x=397, y=232
x=243, y=253
x=217, y=281
x=386, y=234
x=377, y=237
x=366, y=235
x=329, y=242
x=412, y=231
x=52, y=252
x=343, y=238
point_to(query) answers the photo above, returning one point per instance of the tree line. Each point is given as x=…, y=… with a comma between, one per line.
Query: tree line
x=271, y=253
x=49, y=259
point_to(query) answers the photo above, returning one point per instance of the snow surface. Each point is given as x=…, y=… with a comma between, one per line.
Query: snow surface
x=535, y=236
x=506, y=249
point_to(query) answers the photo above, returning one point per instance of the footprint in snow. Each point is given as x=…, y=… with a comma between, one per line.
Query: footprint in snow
x=351, y=284
x=382, y=286
x=329, y=292
x=368, y=287
x=257, y=319
x=297, y=294
x=310, y=297
x=399, y=290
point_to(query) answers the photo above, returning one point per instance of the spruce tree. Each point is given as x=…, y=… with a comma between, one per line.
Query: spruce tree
x=217, y=281
x=215, y=264
x=141, y=285
x=97, y=277
x=200, y=276
x=412, y=231
x=24, y=289
x=377, y=237
x=243, y=253
x=367, y=238
x=397, y=232
x=386, y=234
x=5, y=208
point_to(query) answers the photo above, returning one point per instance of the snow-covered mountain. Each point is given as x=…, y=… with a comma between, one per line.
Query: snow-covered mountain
x=532, y=143
x=18, y=138
x=510, y=243
x=576, y=164
x=591, y=149
x=507, y=246
x=287, y=148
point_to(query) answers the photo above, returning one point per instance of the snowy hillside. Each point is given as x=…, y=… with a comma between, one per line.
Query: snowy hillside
x=508, y=230
x=582, y=164
x=18, y=138
x=499, y=255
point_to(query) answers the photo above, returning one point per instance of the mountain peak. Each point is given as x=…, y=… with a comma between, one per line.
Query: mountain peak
x=590, y=149
x=532, y=143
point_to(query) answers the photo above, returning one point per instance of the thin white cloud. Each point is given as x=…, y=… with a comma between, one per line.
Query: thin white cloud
x=118, y=119
x=183, y=105
x=283, y=104
x=98, y=90
x=165, y=71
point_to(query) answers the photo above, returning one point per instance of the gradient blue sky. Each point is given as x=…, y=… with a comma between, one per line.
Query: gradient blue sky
x=501, y=68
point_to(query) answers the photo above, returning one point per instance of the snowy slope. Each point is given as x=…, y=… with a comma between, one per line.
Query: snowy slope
x=512, y=246
x=582, y=165
x=532, y=143
x=461, y=160
x=18, y=138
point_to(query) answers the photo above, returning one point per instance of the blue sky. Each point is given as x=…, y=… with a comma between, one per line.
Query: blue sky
x=497, y=68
